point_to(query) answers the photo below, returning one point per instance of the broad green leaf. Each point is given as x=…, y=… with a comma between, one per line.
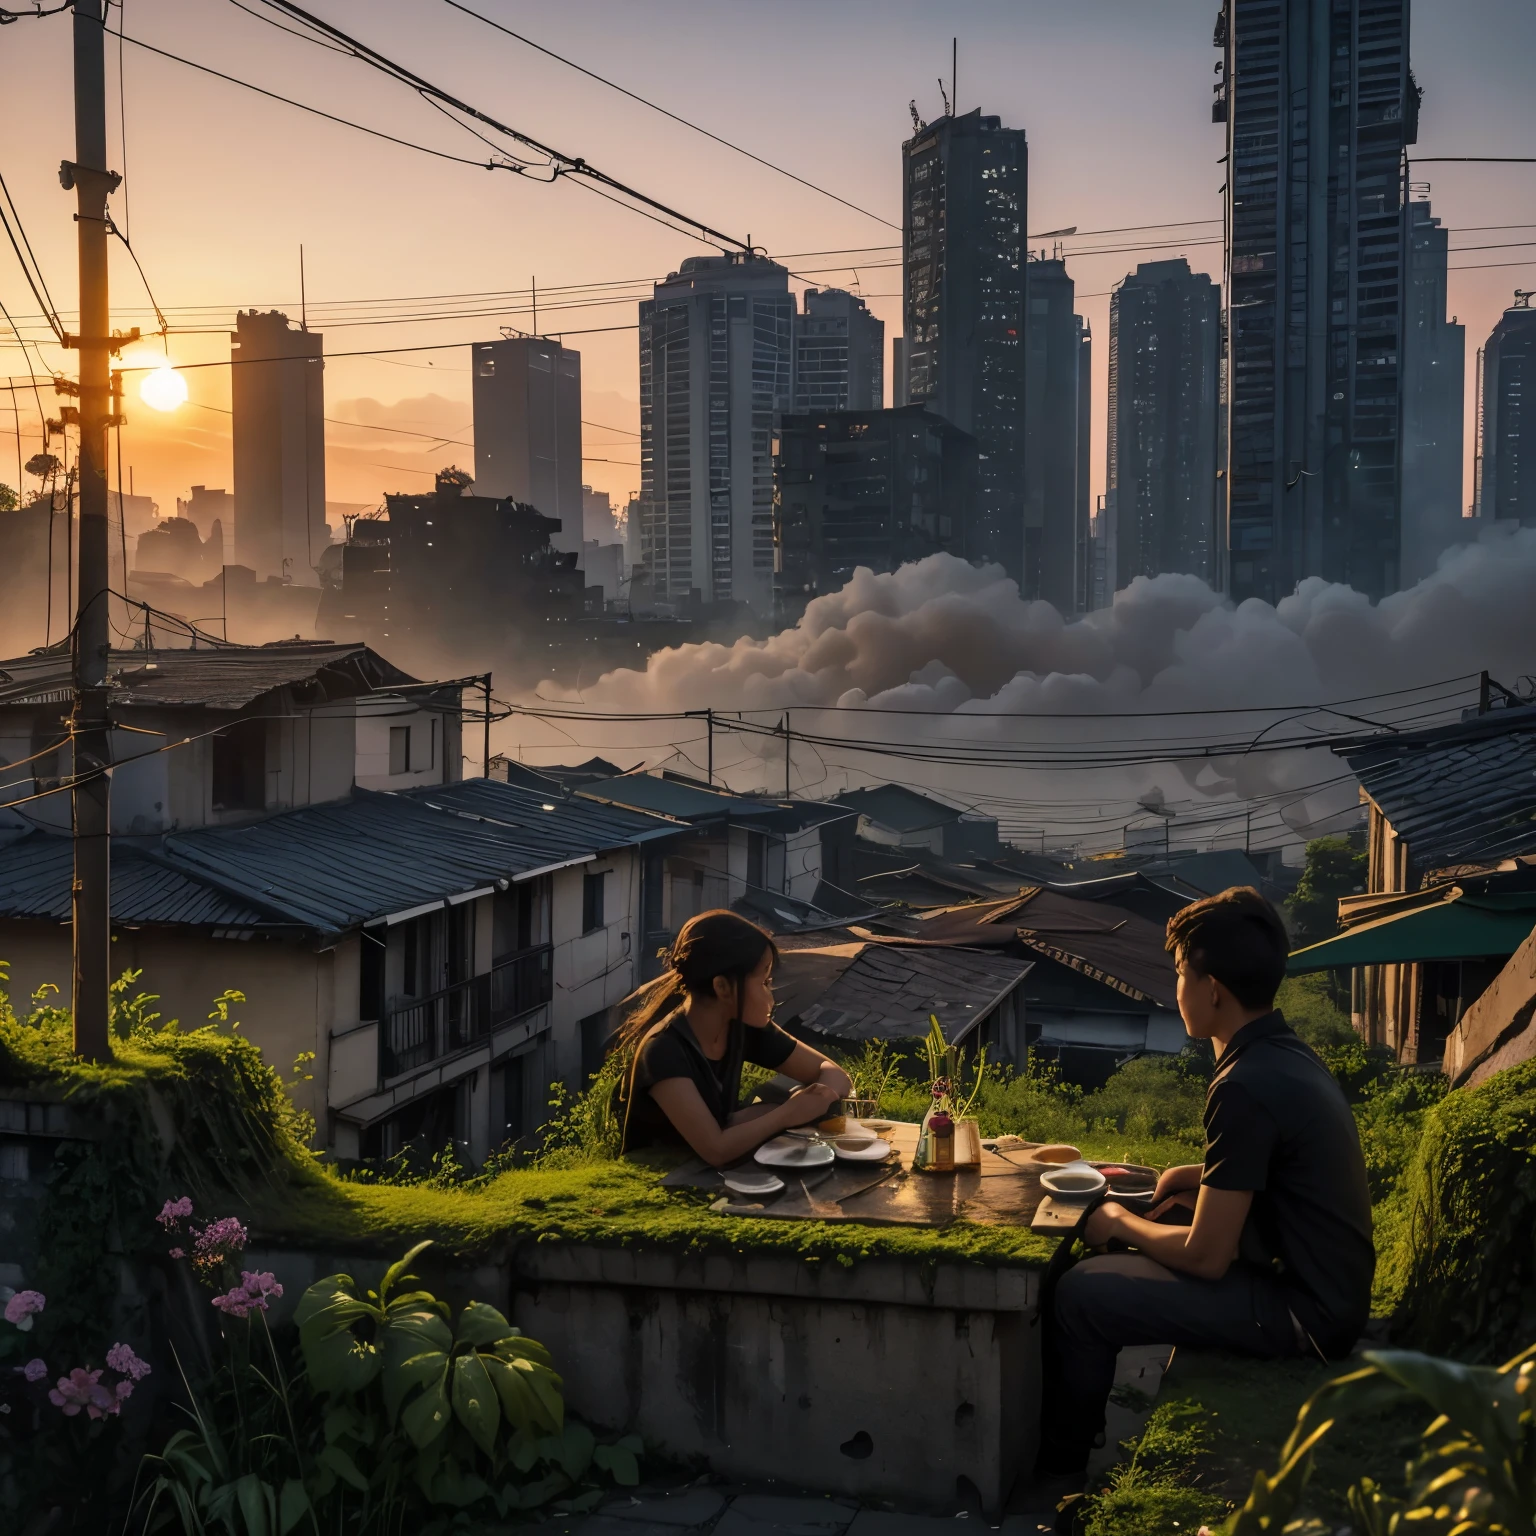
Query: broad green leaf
x=475, y=1403
x=343, y=1466
x=425, y=1417
x=534, y=1494
x=481, y=1324
x=341, y=1421
x=1478, y=1400
x=580, y=1503
x=515, y=1347
x=339, y=1362
x=458, y=1488
x=292, y=1506
x=258, y=1505
x=397, y=1271
x=415, y=1351
x=619, y=1462
x=576, y=1447
x=526, y=1407
x=525, y=1451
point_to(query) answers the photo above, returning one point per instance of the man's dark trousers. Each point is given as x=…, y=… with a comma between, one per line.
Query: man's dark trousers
x=1126, y=1298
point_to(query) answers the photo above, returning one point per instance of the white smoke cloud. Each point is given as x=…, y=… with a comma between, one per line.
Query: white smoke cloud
x=946, y=638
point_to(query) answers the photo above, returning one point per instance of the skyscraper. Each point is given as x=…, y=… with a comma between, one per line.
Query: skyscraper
x=1051, y=412
x=1082, y=590
x=1319, y=103
x=839, y=354
x=965, y=196
x=527, y=403
x=715, y=361
x=1434, y=372
x=1161, y=486
x=277, y=388
x=1506, y=434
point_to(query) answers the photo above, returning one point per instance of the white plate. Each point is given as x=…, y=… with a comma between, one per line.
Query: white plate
x=873, y=1153
x=1073, y=1182
x=783, y=1153
x=752, y=1181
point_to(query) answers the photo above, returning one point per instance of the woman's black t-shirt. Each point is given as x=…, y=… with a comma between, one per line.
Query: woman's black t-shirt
x=670, y=1050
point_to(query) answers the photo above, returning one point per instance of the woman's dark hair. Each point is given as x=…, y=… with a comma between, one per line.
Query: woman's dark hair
x=719, y=943
x=1237, y=937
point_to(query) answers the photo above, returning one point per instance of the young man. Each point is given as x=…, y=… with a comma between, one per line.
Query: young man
x=1277, y=1258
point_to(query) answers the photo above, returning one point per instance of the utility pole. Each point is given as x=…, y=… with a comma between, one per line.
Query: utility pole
x=786, y=754
x=485, y=683
x=709, y=716
x=90, y=796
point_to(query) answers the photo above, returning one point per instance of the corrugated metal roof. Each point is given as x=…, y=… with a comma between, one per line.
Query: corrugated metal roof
x=1459, y=792
x=336, y=866
x=670, y=797
x=225, y=677
x=328, y=868
x=36, y=871
x=887, y=991
x=899, y=808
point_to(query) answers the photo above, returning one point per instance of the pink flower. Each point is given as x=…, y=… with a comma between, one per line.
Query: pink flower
x=219, y=1240
x=21, y=1306
x=174, y=1210
x=250, y=1295
x=34, y=1370
x=122, y=1359
x=124, y=1389
x=83, y=1389
x=178, y=1253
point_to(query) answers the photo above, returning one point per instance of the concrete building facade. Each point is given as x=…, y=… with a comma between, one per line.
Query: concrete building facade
x=965, y=197
x=716, y=361
x=1506, y=434
x=839, y=353
x=277, y=388
x=1319, y=104
x=1164, y=395
x=527, y=406
x=1434, y=407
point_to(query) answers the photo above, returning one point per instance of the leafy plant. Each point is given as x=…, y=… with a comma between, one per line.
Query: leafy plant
x=1474, y=1475
x=417, y=1407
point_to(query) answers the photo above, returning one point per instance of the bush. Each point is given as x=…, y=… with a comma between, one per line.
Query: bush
x=1151, y=1097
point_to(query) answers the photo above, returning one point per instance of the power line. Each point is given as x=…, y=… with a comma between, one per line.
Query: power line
x=633, y=96
x=563, y=164
x=29, y=264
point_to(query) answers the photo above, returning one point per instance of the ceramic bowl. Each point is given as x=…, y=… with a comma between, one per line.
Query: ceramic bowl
x=1075, y=1182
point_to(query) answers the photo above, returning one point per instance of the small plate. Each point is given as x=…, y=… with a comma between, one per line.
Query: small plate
x=785, y=1153
x=752, y=1181
x=879, y=1127
x=875, y=1152
x=1073, y=1183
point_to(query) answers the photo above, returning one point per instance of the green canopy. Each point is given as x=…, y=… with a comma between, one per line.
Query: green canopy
x=1464, y=928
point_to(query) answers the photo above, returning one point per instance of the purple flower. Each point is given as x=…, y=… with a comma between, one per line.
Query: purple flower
x=21, y=1306
x=174, y=1210
x=122, y=1359
x=250, y=1295
x=83, y=1389
x=219, y=1240
x=178, y=1253
x=34, y=1370
x=123, y=1390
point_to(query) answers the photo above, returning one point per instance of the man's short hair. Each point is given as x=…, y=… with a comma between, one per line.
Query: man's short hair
x=1237, y=937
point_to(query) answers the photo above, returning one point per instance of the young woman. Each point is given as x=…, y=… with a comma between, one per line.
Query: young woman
x=712, y=1012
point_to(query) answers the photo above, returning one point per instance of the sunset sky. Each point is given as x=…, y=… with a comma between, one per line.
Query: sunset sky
x=223, y=186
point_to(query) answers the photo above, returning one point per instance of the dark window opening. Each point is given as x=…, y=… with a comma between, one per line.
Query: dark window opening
x=596, y=1031
x=240, y=767
x=399, y=749
x=370, y=981
x=592, y=916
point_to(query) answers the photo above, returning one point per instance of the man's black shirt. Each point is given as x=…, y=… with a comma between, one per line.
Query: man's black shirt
x=1277, y=1123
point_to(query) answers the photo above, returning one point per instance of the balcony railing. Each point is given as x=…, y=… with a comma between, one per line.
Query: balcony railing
x=426, y=1028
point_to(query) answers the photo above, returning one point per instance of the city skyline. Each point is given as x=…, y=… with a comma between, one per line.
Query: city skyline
x=233, y=240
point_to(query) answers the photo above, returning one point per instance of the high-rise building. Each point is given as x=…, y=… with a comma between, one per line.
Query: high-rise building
x=871, y=488
x=1082, y=592
x=899, y=370
x=1164, y=394
x=277, y=385
x=1506, y=432
x=839, y=354
x=1052, y=396
x=1434, y=374
x=527, y=402
x=1318, y=103
x=965, y=196
x=715, y=364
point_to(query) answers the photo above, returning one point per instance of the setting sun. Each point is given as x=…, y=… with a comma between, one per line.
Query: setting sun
x=164, y=389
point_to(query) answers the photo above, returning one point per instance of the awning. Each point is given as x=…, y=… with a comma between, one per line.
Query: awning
x=1459, y=928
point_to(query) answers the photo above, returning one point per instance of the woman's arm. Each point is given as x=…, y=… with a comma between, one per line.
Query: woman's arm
x=683, y=1104
x=808, y=1066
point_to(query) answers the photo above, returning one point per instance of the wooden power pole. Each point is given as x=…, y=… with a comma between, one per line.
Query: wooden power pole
x=90, y=797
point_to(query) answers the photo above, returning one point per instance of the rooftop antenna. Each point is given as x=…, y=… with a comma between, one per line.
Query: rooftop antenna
x=303, y=298
x=917, y=123
x=954, y=76
x=535, y=283
x=944, y=97
x=1523, y=297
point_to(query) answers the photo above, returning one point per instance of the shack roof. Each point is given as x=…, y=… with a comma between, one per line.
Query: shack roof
x=1448, y=924
x=899, y=808
x=1094, y=938
x=1455, y=792
x=329, y=868
x=880, y=991
x=221, y=677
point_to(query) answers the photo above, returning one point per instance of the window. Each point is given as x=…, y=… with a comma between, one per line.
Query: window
x=592, y=917
x=511, y=1087
x=595, y=1032
x=399, y=749
x=370, y=981
x=240, y=767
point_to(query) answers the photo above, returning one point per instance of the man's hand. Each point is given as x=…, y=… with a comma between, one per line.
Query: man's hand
x=1102, y=1224
x=1174, y=1181
x=1186, y=1200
